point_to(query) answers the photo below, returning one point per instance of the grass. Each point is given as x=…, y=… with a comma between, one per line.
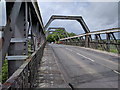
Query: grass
x=112, y=49
x=5, y=71
x=4, y=74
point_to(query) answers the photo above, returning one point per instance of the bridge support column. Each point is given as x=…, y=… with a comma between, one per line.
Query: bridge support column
x=18, y=49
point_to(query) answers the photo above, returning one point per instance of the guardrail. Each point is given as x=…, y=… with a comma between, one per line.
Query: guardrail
x=25, y=76
x=103, y=39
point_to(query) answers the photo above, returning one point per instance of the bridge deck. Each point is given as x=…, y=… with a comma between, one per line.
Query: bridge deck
x=87, y=68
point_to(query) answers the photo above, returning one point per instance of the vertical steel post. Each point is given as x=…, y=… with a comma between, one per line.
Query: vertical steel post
x=96, y=41
x=87, y=41
x=103, y=42
x=115, y=40
x=18, y=49
x=108, y=42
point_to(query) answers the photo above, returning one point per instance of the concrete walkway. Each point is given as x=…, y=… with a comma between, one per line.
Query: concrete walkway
x=50, y=75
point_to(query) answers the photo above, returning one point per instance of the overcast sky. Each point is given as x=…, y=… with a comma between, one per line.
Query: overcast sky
x=97, y=15
x=2, y=13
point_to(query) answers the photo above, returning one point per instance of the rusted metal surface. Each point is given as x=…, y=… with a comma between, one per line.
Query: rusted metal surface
x=25, y=76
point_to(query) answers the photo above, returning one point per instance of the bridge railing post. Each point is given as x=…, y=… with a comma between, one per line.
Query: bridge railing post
x=108, y=42
x=87, y=41
x=96, y=41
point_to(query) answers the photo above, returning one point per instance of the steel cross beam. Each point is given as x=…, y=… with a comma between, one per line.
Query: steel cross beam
x=77, y=18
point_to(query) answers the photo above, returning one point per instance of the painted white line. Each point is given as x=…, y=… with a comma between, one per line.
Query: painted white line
x=86, y=57
x=93, y=61
x=116, y=71
x=81, y=55
x=69, y=49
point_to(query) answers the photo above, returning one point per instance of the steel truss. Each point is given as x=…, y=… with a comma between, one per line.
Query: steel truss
x=22, y=36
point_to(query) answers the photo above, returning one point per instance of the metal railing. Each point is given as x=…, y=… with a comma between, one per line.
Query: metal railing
x=104, y=39
x=25, y=75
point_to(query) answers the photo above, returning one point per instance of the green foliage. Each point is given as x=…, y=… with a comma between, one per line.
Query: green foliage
x=5, y=71
x=72, y=34
x=50, y=38
x=54, y=36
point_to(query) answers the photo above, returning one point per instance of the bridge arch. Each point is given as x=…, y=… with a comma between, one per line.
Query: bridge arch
x=77, y=18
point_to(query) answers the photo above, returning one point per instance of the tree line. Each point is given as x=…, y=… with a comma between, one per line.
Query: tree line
x=58, y=34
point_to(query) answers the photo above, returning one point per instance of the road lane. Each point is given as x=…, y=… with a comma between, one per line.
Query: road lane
x=84, y=72
x=106, y=60
x=101, y=58
x=98, y=59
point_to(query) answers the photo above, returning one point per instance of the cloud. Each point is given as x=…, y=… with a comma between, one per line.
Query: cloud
x=78, y=0
x=97, y=15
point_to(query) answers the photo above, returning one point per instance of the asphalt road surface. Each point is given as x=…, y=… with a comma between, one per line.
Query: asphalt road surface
x=86, y=68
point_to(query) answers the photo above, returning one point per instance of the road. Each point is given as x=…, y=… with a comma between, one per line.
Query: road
x=86, y=68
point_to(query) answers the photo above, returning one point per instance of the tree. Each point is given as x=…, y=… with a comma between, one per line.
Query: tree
x=58, y=33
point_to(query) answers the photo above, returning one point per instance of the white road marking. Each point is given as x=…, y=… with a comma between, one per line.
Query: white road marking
x=69, y=49
x=116, y=71
x=92, y=60
x=86, y=57
x=81, y=55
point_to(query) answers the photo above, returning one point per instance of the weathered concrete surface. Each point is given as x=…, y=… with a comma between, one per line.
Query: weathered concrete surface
x=50, y=75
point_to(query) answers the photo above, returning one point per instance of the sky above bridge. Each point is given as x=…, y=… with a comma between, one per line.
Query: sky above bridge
x=97, y=15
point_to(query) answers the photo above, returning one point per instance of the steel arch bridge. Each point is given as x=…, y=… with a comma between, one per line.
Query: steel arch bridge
x=23, y=41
